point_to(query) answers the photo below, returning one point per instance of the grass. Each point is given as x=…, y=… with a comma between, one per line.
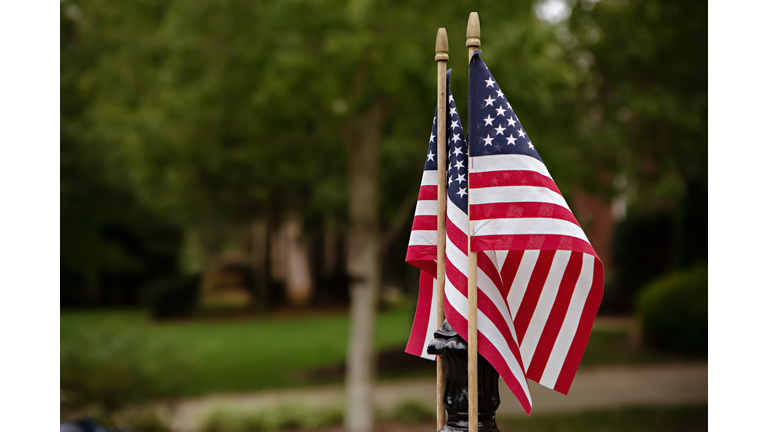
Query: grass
x=273, y=352
x=228, y=356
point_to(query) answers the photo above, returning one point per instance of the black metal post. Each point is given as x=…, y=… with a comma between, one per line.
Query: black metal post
x=452, y=348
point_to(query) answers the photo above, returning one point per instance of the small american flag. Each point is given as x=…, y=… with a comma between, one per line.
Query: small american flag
x=422, y=246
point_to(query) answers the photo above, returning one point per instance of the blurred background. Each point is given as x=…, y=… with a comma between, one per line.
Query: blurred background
x=209, y=150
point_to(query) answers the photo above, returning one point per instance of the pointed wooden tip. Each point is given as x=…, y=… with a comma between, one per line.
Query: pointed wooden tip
x=473, y=30
x=441, y=45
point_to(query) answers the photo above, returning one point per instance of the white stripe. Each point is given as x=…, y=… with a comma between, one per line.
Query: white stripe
x=429, y=178
x=507, y=162
x=457, y=216
x=432, y=318
x=524, y=272
x=501, y=258
x=426, y=208
x=456, y=256
x=570, y=324
x=516, y=194
x=423, y=238
x=486, y=327
x=544, y=306
x=527, y=226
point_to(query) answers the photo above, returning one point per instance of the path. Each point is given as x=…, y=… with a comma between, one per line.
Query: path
x=592, y=389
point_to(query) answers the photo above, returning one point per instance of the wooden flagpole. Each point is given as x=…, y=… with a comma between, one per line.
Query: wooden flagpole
x=441, y=57
x=473, y=43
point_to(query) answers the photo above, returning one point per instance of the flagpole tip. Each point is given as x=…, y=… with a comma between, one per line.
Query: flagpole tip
x=441, y=45
x=473, y=30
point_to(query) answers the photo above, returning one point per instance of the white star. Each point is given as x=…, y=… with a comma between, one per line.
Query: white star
x=457, y=151
x=521, y=133
x=508, y=105
x=462, y=192
x=434, y=119
x=430, y=156
x=431, y=137
x=488, y=140
x=488, y=121
x=454, y=124
x=499, y=93
x=489, y=82
x=489, y=101
x=450, y=180
x=511, y=140
x=500, y=111
x=512, y=121
x=453, y=110
x=460, y=178
x=459, y=164
x=455, y=138
x=530, y=144
x=450, y=98
x=500, y=130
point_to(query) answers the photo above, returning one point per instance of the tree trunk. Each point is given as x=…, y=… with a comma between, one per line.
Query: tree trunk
x=363, y=263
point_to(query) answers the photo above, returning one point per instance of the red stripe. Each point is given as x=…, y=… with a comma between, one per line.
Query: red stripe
x=428, y=193
x=421, y=324
x=427, y=265
x=509, y=270
x=532, y=293
x=420, y=253
x=425, y=223
x=456, y=236
x=490, y=353
x=485, y=305
x=456, y=277
x=555, y=318
x=531, y=242
x=520, y=210
x=579, y=344
x=511, y=178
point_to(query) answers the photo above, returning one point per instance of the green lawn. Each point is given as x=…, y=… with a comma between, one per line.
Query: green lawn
x=259, y=353
x=240, y=355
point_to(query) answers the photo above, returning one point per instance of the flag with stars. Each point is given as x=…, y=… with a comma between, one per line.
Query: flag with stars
x=546, y=279
x=422, y=245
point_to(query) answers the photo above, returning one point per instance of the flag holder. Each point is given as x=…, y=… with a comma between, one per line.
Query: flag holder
x=441, y=57
x=473, y=43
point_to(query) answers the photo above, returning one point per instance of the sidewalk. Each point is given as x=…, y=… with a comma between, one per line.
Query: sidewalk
x=668, y=384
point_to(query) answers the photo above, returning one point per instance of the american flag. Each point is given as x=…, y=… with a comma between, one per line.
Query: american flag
x=422, y=246
x=549, y=275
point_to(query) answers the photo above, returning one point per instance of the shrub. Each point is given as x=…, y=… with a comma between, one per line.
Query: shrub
x=173, y=296
x=673, y=312
x=104, y=370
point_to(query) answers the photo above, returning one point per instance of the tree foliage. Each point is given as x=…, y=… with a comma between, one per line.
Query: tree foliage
x=218, y=112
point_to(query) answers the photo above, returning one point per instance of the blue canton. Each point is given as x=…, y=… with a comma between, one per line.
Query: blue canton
x=493, y=126
x=458, y=163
